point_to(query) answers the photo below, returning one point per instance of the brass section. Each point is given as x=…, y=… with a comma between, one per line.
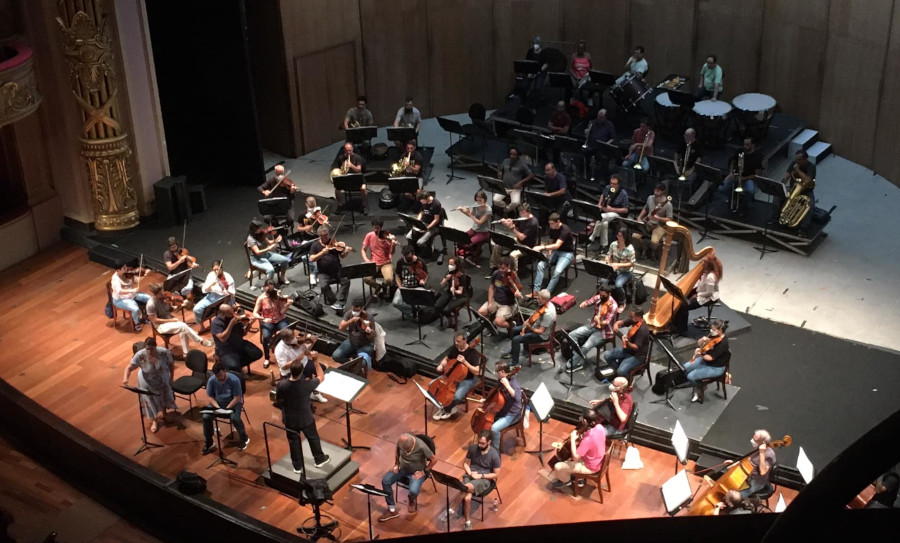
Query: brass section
x=797, y=204
x=663, y=308
x=19, y=95
x=104, y=144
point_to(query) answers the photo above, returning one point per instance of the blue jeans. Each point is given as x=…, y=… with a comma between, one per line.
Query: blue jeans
x=269, y=261
x=235, y=420
x=757, y=486
x=345, y=349
x=632, y=158
x=207, y=301
x=749, y=191
x=622, y=278
x=462, y=389
x=519, y=339
x=390, y=479
x=699, y=369
x=501, y=424
x=587, y=337
x=268, y=329
x=132, y=305
x=560, y=260
x=621, y=360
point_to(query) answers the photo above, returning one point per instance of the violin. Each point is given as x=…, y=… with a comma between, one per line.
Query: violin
x=706, y=344
x=286, y=181
x=418, y=270
x=511, y=280
x=483, y=417
x=366, y=322
x=174, y=299
x=191, y=261
x=601, y=315
x=240, y=313
x=339, y=246
x=534, y=318
x=444, y=387
x=317, y=216
x=271, y=235
x=130, y=273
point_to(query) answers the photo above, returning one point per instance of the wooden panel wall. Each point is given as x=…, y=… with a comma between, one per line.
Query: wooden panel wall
x=395, y=50
x=886, y=160
x=731, y=30
x=460, y=55
x=326, y=83
x=604, y=24
x=516, y=23
x=666, y=31
x=857, y=37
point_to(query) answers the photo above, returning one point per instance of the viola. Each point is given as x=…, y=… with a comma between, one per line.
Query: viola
x=483, y=417
x=444, y=387
x=174, y=299
x=339, y=246
x=318, y=216
x=534, y=318
x=191, y=261
x=130, y=273
x=418, y=270
x=601, y=315
x=511, y=280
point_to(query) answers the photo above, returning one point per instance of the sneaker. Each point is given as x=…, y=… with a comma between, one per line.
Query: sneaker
x=244, y=444
x=451, y=512
x=337, y=306
x=573, y=369
x=439, y=414
x=317, y=396
x=560, y=484
x=208, y=449
x=313, y=279
x=207, y=343
x=580, y=483
x=467, y=525
x=326, y=460
x=447, y=414
x=507, y=355
x=440, y=259
x=298, y=471
x=266, y=363
x=696, y=398
x=388, y=516
x=138, y=327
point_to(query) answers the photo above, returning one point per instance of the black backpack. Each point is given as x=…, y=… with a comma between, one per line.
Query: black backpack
x=311, y=305
x=190, y=483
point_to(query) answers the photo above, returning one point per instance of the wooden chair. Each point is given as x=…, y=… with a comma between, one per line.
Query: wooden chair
x=643, y=367
x=596, y=477
x=252, y=269
x=620, y=442
x=125, y=313
x=550, y=345
x=519, y=425
x=719, y=381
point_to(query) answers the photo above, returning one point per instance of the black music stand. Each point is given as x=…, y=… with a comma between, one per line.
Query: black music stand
x=456, y=236
x=484, y=323
x=533, y=256
x=562, y=80
x=360, y=271
x=566, y=145
x=418, y=297
x=577, y=350
x=526, y=67
x=403, y=185
x=144, y=443
x=588, y=211
x=548, y=204
x=429, y=399
x=775, y=189
x=370, y=491
x=494, y=186
x=669, y=358
x=276, y=205
x=412, y=222
x=604, y=79
x=216, y=413
x=714, y=177
x=449, y=481
x=403, y=133
x=451, y=127
x=361, y=134
x=345, y=387
x=610, y=152
x=601, y=270
x=350, y=183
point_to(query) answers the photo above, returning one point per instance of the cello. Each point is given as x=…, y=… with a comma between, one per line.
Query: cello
x=733, y=479
x=444, y=387
x=483, y=417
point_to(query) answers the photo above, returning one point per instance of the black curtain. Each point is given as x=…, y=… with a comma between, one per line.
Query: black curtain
x=205, y=90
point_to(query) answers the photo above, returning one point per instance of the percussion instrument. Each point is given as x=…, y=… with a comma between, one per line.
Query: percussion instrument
x=711, y=120
x=670, y=116
x=629, y=93
x=753, y=113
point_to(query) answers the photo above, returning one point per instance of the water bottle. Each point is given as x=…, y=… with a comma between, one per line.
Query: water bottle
x=526, y=422
x=495, y=506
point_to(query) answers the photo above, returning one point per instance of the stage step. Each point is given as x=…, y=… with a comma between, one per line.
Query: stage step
x=818, y=151
x=802, y=141
x=338, y=471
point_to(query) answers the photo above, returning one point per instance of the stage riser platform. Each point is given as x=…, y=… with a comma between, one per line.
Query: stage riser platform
x=337, y=471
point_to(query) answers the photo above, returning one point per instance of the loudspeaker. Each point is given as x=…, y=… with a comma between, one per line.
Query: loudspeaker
x=172, y=201
x=197, y=198
x=699, y=198
x=111, y=258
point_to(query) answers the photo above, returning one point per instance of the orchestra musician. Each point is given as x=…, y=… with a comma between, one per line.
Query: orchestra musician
x=513, y=408
x=271, y=311
x=327, y=255
x=159, y=311
x=412, y=272
x=641, y=146
x=431, y=213
x=307, y=231
x=599, y=131
x=525, y=230
x=535, y=330
x=125, y=294
x=885, y=495
x=580, y=65
x=587, y=444
x=296, y=414
x=378, y=247
x=734, y=504
x=555, y=187
x=453, y=291
x=709, y=357
x=224, y=391
x=635, y=344
x=408, y=116
x=360, y=330
x=347, y=162
x=561, y=253
x=281, y=186
x=481, y=465
x=468, y=357
x=599, y=328
x=752, y=167
x=228, y=331
x=621, y=258
x=263, y=253
x=411, y=164
x=689, y=154
x=515, y=174
x=710, y=80
x=412, y=460
x=654, y=215
x=218, y=284
x=503, y=290
x=155, y=367
x=758, y=483
x=615, y=411
x=538, y=54
x=179, y=263
x=613, y=204
x=636, y=64
x=704, y=292
x=480, y=233
x=560, y=121
x=800, y=163
x=291, y=349
x=359, y=115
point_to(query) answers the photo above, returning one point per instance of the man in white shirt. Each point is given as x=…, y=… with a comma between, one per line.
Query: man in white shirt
x=219, y=284
x=289, y=349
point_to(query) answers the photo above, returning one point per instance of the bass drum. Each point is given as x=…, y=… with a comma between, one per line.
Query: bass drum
x=629, y=93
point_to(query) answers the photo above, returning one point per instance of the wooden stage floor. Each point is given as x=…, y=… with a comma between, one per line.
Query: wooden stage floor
x=57, y=347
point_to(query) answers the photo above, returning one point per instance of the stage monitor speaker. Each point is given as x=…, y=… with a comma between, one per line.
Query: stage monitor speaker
x=110, y=257
x=698, y=199
x=197, y=198
x=173, y=204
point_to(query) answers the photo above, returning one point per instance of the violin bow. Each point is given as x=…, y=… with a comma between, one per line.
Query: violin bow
x=183, y=234
x=140, y=267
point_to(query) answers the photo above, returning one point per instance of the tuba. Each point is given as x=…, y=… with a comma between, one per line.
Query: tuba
x=798, y=204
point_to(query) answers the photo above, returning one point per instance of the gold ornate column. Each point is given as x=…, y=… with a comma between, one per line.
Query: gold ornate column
x=104, y=144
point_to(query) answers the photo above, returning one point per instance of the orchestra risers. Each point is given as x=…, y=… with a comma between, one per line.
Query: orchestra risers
x=802, y=141
x=337, y=471
x=818, y=151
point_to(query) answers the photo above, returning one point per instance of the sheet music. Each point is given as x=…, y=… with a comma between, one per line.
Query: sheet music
x=676, y=491
x=342, y=386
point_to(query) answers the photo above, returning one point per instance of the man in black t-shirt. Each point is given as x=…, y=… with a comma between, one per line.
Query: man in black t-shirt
x=352, y=162
x=179, y=266
x=281, y=186
x=752, y=166
x=689, y=153
x=330, y=271
x=562, y=254
x=231, y=347
x=296, y=413
x=555, y=187
x=410, y=272
x=431, y=213
x=634, y=344
x=501, y=300
x=525, y=230
x=468, y=357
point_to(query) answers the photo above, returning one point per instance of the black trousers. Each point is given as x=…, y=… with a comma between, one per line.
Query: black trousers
x=242, y=356
x=312, y=437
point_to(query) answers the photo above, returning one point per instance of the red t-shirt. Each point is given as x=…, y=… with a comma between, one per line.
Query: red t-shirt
x=627, y=404
x=592, y=448
x=381, y=248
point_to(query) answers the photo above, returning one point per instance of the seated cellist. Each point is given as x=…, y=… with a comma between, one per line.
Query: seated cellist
x=468, y=357
x=512, y=409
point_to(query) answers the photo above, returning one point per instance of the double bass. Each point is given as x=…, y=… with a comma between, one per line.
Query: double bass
x=483, y=417
x=444, y=387
x=733, y=479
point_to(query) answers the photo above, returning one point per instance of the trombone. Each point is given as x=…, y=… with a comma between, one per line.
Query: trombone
x=687, y=153
x=738, y=184
x=637, y=165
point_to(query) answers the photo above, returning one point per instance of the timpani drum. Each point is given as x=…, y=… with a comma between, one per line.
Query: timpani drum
x=753, y=113
x=669, y=116
x=629, y=93
x=711, y=120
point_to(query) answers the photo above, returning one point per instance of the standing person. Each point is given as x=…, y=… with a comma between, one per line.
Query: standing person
x=759, y=480
x=482, y=465
x=218, y=284
x=412, y=459
x=281, y=186
x=228, y=332
x=561, y=253
x=534, y=330
x=480, y=233
x=160, y=313
x=470, y=359
x=359, y=115
x=296, y=414
x=586, y=455
x=179, y=265
x=408, y=116
x=598, y=330
x=501, y=298
x=709, y=357
x=704, y=292
x=635, y=344
x=224, y=392
x=621, y=258
x=347, y=162
x=654, y=215
x=598, y=132
x=641, y=147
x=263, y=253
x=378, y=247
x=126, y=296
x=271, y=311
x=515, y=174
x=710, y=80
x=411, y=273
x=513, y=408
x=155, y=367
x=613, y=204
x=328, y=255
x=580, y=65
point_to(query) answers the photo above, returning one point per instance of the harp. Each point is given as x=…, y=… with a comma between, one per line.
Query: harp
x=663, y=308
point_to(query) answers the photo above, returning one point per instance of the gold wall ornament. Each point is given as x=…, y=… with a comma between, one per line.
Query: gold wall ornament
x=104, y=144
x=19, y=96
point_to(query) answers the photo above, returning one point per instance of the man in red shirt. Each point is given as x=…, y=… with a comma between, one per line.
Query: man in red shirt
x=380, y=244
x=615, y=411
